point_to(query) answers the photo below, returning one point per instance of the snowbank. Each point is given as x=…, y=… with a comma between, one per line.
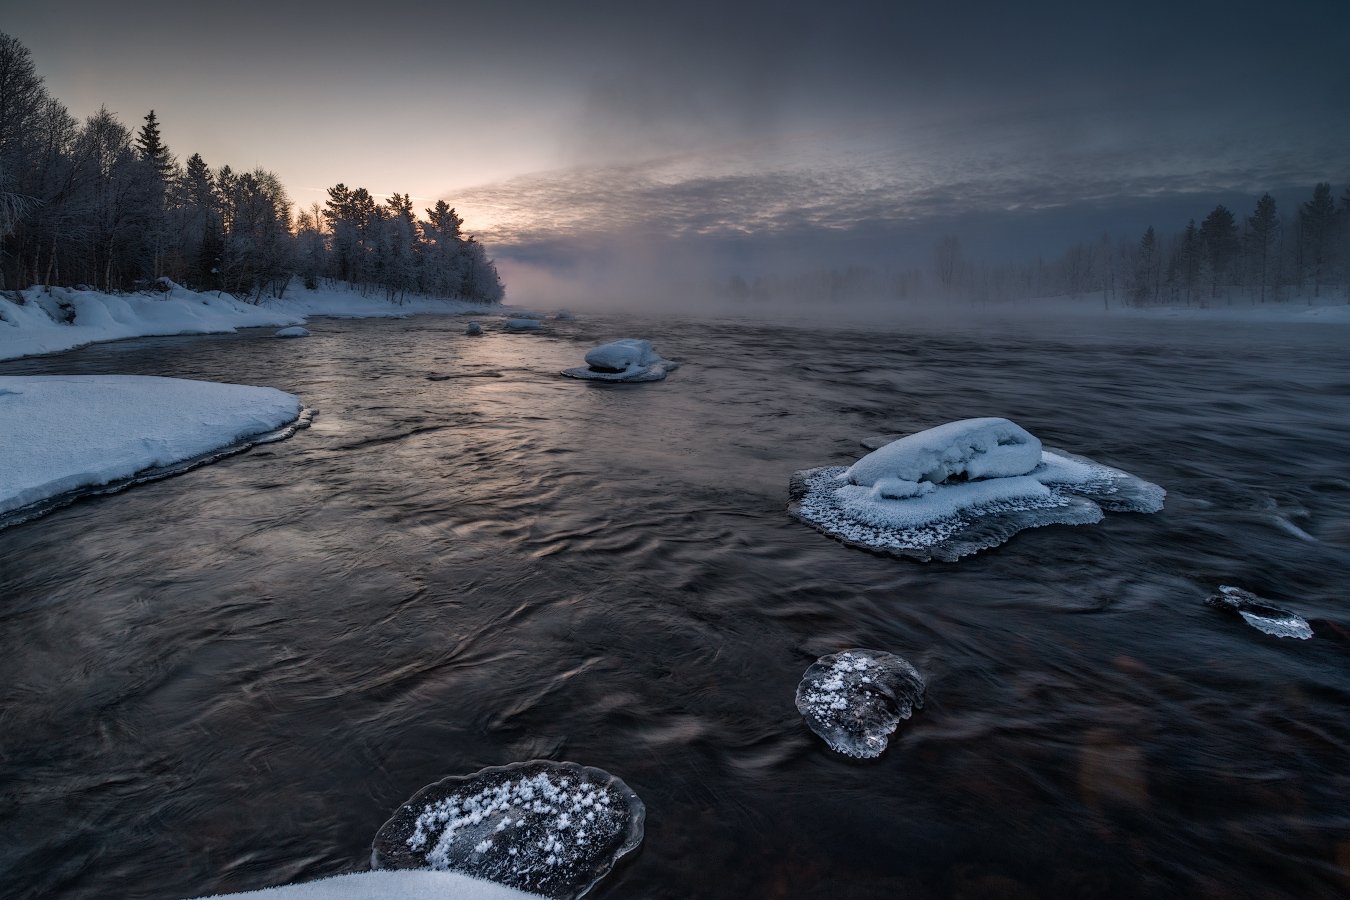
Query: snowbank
x=49, y=321
x=64, y=433
x=627, y=359
x=407, y=885
x=959, y=488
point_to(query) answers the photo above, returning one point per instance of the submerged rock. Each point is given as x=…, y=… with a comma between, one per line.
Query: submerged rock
x=295, y=331
x=1260, y=613
x=627, y=359
x=473, y=329
x=549, y=828
x=854, y=699
x=959, y=488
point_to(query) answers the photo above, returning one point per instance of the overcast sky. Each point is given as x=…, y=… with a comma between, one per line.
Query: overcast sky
x=757, y=132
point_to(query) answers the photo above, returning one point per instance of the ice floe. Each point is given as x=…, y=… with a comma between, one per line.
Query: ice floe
x=627, y=359
x=959, y=488
x=549, y=828
x=295, y=331
x=1260, y=613
x=854, y=699
x=63, y=436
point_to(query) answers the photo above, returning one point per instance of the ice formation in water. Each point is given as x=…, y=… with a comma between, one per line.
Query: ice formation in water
x=294, y=331
x=546, y=827
x=523, y=324
x=627, y=359
x=1260, y=613
x=959, y=488
x=564, y=315
x=473, y=329
x=855, y=699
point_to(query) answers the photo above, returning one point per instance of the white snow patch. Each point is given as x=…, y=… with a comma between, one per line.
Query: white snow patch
x=411, y=884
x=60, y=433
x=627, y=359
x=295, y=331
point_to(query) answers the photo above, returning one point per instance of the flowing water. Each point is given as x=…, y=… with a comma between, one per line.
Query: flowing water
x=231, y=678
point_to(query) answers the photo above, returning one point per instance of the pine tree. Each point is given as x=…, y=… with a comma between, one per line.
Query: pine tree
x=1262, y=227
x=1145, y=287
x=151, y=148
x=1219, y=240
x=1317, y=227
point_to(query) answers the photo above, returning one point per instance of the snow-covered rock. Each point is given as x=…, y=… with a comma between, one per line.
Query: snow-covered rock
x=523, y=324
x=295, y=331
x=627, y=359
x=67, y=435
x=473, y=329
x=959, y=488
x=854, y=699
x=405, y=885
x=546, y=827
x=1261, y=614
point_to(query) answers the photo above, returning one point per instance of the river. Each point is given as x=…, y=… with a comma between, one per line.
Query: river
x=230, y=678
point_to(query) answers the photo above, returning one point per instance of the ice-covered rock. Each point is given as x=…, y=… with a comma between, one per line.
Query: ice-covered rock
x=855, y=699
x=294, y=331
x=627, y=359
x=1260, y=613
x=959, y=488
x=564, y=315
x=523, y=324
x=545, y=827
x=473, y=329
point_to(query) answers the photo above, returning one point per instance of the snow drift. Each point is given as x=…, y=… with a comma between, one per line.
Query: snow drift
x=627, y=359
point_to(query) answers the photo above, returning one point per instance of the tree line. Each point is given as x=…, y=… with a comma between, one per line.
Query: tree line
x=95, y=204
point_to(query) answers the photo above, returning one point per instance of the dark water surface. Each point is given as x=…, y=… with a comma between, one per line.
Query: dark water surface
x=231, y=678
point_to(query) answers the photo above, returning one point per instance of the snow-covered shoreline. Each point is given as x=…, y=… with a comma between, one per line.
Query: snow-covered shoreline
x=61, y=435
x=58, y=319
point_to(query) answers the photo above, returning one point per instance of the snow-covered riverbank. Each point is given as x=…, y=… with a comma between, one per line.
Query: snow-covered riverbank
x=49, y=321
x=63, y=433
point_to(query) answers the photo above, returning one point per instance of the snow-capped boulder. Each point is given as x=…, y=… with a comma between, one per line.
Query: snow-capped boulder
x=295, y=331
x=1261, y=614
x=473, y=329
x=854, y=699
x=627, y=359
x=959, y=488
x=549, y=828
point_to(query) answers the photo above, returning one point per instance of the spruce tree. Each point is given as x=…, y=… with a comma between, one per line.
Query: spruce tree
x=1317, y=227
x=151, y=147
x=1219, y=239
x=1262, y=226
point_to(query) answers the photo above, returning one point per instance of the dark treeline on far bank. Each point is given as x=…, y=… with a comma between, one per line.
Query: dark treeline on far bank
x=95, y=204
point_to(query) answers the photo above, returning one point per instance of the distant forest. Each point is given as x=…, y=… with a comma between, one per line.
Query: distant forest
x=1266, y=256
x=94, y=204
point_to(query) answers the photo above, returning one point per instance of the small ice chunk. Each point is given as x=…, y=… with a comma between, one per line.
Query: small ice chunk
x=516, y=826
x=1260, y=613
x=855, y=699
x=473, y=329
x=294, y=331
x=627, y=359
x=523, y=324
x=564, y=315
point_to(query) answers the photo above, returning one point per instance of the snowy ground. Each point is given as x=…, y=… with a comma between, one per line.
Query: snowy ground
x=406, y=885
x=64, y=318
x=61, y=433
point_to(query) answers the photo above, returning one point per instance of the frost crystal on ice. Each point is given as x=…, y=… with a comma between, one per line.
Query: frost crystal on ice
x=549, y=828
x=627, y=359
x=1261, y=614
x=855, y=699
x=959, y=488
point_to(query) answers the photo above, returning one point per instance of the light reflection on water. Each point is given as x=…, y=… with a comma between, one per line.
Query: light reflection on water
x=230, y=679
